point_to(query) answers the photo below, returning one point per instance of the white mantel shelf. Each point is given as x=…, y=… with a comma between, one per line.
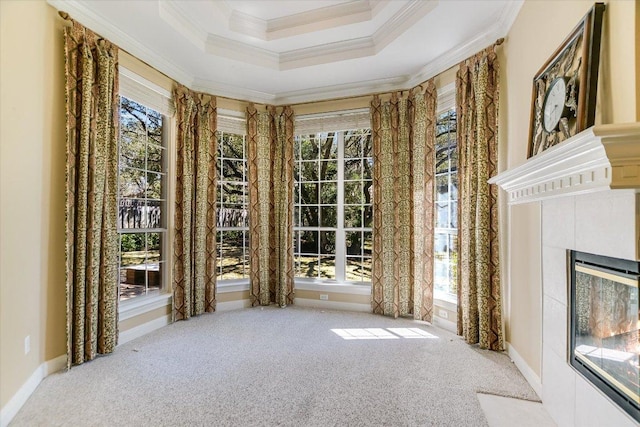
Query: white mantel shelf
x=604, y=157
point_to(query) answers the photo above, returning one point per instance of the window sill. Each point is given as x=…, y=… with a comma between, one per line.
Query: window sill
x=141, y=305
x=444, y=300
x=341, y=288
x=235, y=285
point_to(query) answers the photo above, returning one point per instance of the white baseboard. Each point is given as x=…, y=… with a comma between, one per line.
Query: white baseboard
x=145, y=328
x=333, y=305
x=532, y=378
x=233, y=305
x=445, y=324
x=19, y=399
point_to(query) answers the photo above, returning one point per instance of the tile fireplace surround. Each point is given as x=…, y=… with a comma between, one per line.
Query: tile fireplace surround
x=588, y=189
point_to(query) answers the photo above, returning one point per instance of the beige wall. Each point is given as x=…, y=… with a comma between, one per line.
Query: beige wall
x=32, y=148
x=534, y=36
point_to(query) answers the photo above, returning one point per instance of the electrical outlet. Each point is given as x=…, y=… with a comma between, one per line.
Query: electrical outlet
x=27, y=344
x=443, y=314
x=324, y=297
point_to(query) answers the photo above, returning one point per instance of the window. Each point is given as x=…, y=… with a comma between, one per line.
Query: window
x=333, y=206
x=142, y=177
x=232, y=205
x=446, y=208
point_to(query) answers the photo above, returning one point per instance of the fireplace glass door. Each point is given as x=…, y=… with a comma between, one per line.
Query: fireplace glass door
x=604, y=326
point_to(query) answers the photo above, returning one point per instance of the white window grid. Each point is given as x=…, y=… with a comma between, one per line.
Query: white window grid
x=335, y=261
x=142, y=213
x=232, y=210
x=446, y=208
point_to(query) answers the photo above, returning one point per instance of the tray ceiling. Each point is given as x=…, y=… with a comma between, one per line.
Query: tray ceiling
x=286, y=51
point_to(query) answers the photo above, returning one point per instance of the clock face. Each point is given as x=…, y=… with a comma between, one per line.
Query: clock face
x=554, y=104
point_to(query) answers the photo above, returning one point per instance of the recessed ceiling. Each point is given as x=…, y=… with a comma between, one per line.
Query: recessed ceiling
x=286, y=51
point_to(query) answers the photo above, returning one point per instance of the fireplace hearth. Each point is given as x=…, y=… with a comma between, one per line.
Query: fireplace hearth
x=604, y=326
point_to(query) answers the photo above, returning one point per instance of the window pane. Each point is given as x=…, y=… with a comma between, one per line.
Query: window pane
x=232, y=146
x=154, y=247
x=454, y=186
x=328, y=216
x=132, y=249
x=154, y=186
x=354, y=269
x=353, y=169
x=442, y=187
x=232, y=170
x=154, y=276
x=368, y=243
x=232, y=259
x=327, y=242
x=353, y=193
x=442, y=215
x=368, y=216
x=310, y=193
x=233, y=193
x=329, y=170
x=131, y=182
x=328, y=145
x=367, y=165
x=353, y=240
x=367, y=266
x=308, y=148
x=307, y=266
x=454, y=215
x=328, y=267
x=352, y=217
x=329, y=193
x=309, y=242
x=155, y=158
x=130, y=213
x=232, y=216
x=309, y=216
x=309, y=171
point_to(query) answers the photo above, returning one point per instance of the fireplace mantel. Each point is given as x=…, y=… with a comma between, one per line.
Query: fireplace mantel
x=604, y=157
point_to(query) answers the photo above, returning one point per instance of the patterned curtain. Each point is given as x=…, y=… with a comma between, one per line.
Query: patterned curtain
x=403, y=169
x=194, y=269
x=270, y=147
x=91, y=74
x=479, y=300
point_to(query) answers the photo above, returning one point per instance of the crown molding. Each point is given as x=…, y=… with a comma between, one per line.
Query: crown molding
x=454, y=56
x=323, y=18
x=172, y=13
x=103, y=27
x=346, y=90
x=233, y=92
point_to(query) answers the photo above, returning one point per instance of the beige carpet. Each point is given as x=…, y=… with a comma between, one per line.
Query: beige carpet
x=286, y=367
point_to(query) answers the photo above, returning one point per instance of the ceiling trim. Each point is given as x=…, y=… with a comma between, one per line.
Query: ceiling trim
x=172, y=13
x=99, y=25
x=323, y=18
x=435, y=67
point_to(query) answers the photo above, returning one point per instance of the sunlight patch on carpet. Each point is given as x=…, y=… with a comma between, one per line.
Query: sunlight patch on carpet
x=382, y=334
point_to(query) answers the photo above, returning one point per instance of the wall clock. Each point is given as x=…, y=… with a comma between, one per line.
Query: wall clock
x=564, y=89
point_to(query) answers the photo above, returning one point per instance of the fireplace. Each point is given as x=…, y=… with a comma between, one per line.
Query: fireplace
x=604, y=326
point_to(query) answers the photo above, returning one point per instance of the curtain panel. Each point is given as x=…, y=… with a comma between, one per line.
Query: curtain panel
x=270, y=137
x=479, y=294
x=194, y=268
x=91, y=247
x=403, y=132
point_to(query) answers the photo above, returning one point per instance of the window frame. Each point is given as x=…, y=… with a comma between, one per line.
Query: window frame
x=340, y=253
x=445, y=103
x=144, y=92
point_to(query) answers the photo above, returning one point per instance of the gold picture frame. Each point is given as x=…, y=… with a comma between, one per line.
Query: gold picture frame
x=576, y=61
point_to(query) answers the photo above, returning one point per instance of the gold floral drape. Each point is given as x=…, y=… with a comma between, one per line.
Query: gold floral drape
x=91, y=75
x=270, y=147
x=194, y=269
x=479, y=299
x=403, y=148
